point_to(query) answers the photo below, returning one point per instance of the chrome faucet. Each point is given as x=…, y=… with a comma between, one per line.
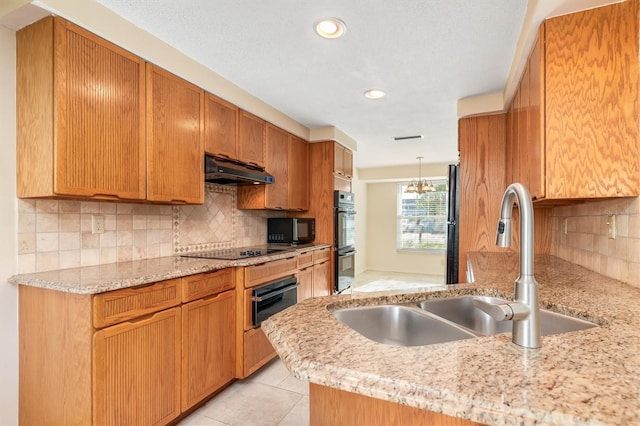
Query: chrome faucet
x=525, y=310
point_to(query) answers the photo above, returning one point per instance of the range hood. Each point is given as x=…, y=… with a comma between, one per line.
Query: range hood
x=225, y=171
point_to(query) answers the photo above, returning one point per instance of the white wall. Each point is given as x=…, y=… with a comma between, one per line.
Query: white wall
x=381, y=236
x=377, y=213
x=8, y=255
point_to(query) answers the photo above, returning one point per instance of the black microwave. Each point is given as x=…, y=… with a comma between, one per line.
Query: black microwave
x=291, y=230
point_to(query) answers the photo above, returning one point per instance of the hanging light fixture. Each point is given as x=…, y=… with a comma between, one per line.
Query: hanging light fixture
x=420, y=186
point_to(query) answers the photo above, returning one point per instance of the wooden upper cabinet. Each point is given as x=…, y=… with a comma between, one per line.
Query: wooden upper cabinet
x=347, y=165
x=277, y=147
x=220, y=127
x=576, y=135
x=535, y=119
x=298, y=174
x=175, y=148
x=591, y=63
x=522, y=113
x=80, y=115
x=287, y=159
x=251, y=138
x=511, y=141
x=592, y=103
x=525, y=147
x=343, y=161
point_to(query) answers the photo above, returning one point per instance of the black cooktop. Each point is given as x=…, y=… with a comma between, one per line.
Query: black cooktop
x=233, y=253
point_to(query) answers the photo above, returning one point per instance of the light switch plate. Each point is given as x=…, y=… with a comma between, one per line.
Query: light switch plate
x=611, y=226
x=97, y=224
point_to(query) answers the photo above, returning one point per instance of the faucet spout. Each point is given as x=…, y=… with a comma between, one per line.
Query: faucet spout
x=517, y=191
x=525, y=310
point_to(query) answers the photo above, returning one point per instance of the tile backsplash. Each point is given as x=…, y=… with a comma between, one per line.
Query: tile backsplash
x=55, y=234
x=580, y=235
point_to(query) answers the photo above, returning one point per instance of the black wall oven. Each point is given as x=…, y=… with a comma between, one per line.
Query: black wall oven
x=344, y=240
x=273, y=297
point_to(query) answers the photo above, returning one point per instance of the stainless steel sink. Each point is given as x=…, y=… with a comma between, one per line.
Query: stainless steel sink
x=461, y=311
x=441, y=320
x=400, y=325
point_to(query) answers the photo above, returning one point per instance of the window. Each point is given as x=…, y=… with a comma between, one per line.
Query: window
x=422, y=218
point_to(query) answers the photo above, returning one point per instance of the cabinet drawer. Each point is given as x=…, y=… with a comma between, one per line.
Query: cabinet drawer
x=122, y=305
x=202, y=285
x=321, y=255
x=265, y=272
x=305, y=259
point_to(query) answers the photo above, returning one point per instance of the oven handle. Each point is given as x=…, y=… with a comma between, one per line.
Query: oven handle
x=274, y=293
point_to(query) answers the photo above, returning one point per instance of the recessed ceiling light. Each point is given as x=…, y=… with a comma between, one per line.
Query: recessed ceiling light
x=374, y=94
x=330, y=28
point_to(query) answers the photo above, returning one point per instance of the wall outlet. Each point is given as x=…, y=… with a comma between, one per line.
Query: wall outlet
x=565, y=227
x=97, y=224
x=611, y=226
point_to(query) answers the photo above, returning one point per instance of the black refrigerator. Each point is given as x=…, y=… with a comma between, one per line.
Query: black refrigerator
x=453, y=213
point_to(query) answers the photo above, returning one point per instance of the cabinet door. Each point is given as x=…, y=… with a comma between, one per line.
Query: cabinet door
x=208, y=346
x=277, y=194
x=257, y=351
x=517, y=143
x=298, y=174
x=523, y=130
x=175, y=147
x=347, y=164
x=338, y=159
x=510, y=143
x=322, y=279
x=305, y=278
x=220, y=127
x=137, y=371
x=535, y=151
x=80, y=110
x=592, y=103
x=251, y=135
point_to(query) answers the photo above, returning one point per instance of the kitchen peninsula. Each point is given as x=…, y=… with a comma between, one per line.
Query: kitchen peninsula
x=585, y=377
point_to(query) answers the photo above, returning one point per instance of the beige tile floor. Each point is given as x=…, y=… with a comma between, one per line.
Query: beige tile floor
x=271, y=396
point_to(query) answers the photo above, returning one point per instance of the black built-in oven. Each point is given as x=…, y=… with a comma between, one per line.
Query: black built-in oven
x=344, y=240
x=273, y=297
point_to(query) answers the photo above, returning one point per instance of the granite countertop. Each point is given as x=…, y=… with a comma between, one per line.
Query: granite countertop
x=585, y=377
x=114, y=276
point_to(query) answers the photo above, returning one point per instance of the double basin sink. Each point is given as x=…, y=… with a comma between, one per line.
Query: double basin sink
x=441, y=320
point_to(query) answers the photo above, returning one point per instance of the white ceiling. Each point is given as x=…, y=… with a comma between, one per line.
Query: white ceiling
x=426, y=54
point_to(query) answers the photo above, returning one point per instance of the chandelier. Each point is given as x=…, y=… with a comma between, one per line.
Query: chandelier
x=420, y=186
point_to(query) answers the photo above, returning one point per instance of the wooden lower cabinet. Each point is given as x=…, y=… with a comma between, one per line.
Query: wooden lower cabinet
x=55, y=340
x=322, y=279
x=305, y=281
x=137, y=371
x=135, y=356
x=208, y=346
x=253, y=348
x=257, y=351
x=329, y=406
x=314, y=274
